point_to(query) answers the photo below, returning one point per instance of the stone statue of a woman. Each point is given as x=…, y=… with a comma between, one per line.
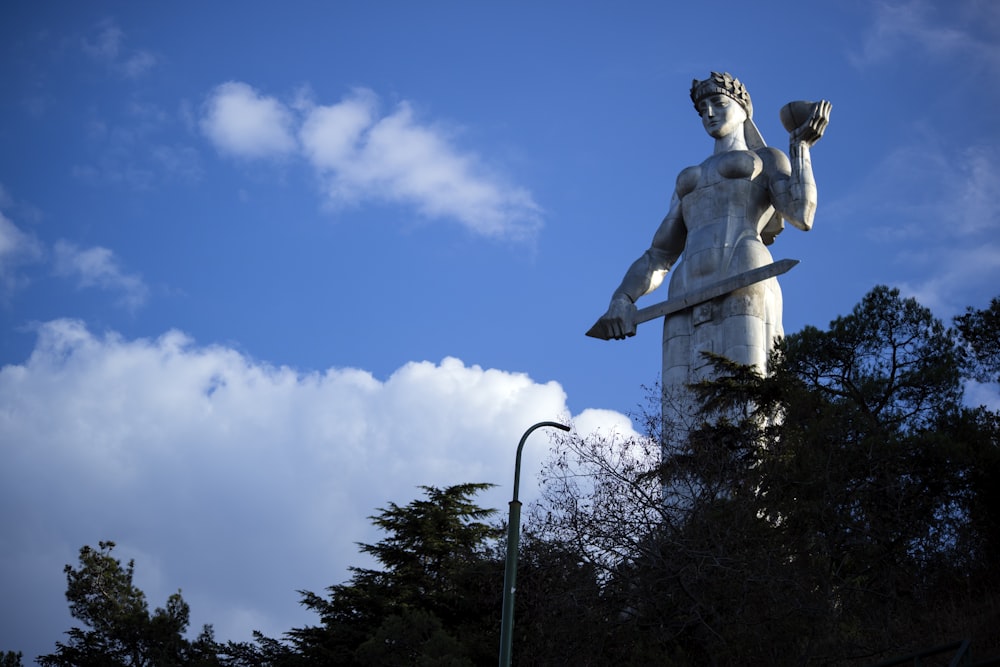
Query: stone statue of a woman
x=723, y=215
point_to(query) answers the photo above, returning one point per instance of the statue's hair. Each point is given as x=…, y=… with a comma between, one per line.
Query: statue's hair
x=721, y=84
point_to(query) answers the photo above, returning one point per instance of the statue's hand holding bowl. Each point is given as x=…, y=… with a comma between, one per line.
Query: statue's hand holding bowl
x=805, y=121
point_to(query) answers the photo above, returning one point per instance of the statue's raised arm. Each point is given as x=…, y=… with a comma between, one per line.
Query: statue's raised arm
x=793, y=189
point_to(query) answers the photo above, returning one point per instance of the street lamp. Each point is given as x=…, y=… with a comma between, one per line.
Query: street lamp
x=513, y=538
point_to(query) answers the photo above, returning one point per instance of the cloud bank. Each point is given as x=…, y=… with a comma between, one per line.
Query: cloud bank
x=359, y=154
x=168, y=447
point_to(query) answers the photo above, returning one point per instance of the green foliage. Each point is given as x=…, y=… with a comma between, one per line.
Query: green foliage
x=122, y=632
x=890, y=361
x=262, y=652
x=867, y=478
x=412, y=637
x=841, y=508
x=11, y=659
x=980, y=331
x=556, y=619
x=435, y=600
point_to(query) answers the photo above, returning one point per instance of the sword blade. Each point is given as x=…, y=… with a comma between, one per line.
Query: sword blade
x=707, y=293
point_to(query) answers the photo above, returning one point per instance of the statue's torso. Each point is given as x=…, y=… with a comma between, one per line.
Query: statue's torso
x=724, y=203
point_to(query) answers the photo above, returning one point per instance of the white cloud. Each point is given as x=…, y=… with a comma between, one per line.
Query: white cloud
x=98, y=267
x=929, y=180
x=604, y=422
x=331, y=135
x=106, y=47
x=247, y=481
x=396, y=158
x=137, y=64
x=362, y=155
x=17, y=248
x=916, y=25
x=107, y=44
x=242, y=122
x=925, y=183
x=931, y=210
x=976, y=183
x=961, y=271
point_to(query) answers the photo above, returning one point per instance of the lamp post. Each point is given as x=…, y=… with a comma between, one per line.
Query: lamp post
x=513, y=538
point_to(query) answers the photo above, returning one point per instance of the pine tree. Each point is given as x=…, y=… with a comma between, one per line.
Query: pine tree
x=435, y=600
x=121, y=632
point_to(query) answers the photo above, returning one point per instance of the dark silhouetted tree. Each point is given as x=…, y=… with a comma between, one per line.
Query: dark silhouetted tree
x=832, y=511
x=120, y=630
x=435, y=600
x=980, y=331
x=11, y=659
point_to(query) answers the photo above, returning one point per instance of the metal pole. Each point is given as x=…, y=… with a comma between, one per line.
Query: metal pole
x=513, y=540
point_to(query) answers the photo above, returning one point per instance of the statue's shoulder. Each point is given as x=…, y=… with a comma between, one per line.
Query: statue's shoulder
x=775, y=160
x=688, y=180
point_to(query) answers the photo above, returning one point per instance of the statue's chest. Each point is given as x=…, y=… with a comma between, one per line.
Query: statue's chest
x=718, y=169
x=725, y=188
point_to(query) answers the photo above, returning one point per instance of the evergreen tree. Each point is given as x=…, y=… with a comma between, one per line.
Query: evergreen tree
x=835, y=510
x=11, y=659
x=121, y=630
x=980, y=331
x=435, y=600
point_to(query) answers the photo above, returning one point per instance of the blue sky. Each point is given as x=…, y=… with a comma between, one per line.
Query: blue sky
x=266, y=268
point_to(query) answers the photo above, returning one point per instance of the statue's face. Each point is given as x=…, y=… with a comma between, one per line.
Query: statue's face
x=721, y=115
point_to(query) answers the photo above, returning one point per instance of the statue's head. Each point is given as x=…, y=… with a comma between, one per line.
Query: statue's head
x=721, y=84
x=726, y=84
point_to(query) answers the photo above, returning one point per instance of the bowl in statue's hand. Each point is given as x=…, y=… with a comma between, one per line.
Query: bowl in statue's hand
x=795, y=114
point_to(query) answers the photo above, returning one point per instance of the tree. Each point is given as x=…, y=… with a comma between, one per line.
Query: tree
x=865, y=474
x=122, y=632
x=980, y=331
x=556, y=619
x=833, y=510
x=435, y=600
x=11, y=659
x=872, y=475
x=683, y=578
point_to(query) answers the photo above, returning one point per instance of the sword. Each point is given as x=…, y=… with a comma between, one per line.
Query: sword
x=707, y=293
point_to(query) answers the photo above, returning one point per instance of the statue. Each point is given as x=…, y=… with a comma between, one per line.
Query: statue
x=723, y=297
